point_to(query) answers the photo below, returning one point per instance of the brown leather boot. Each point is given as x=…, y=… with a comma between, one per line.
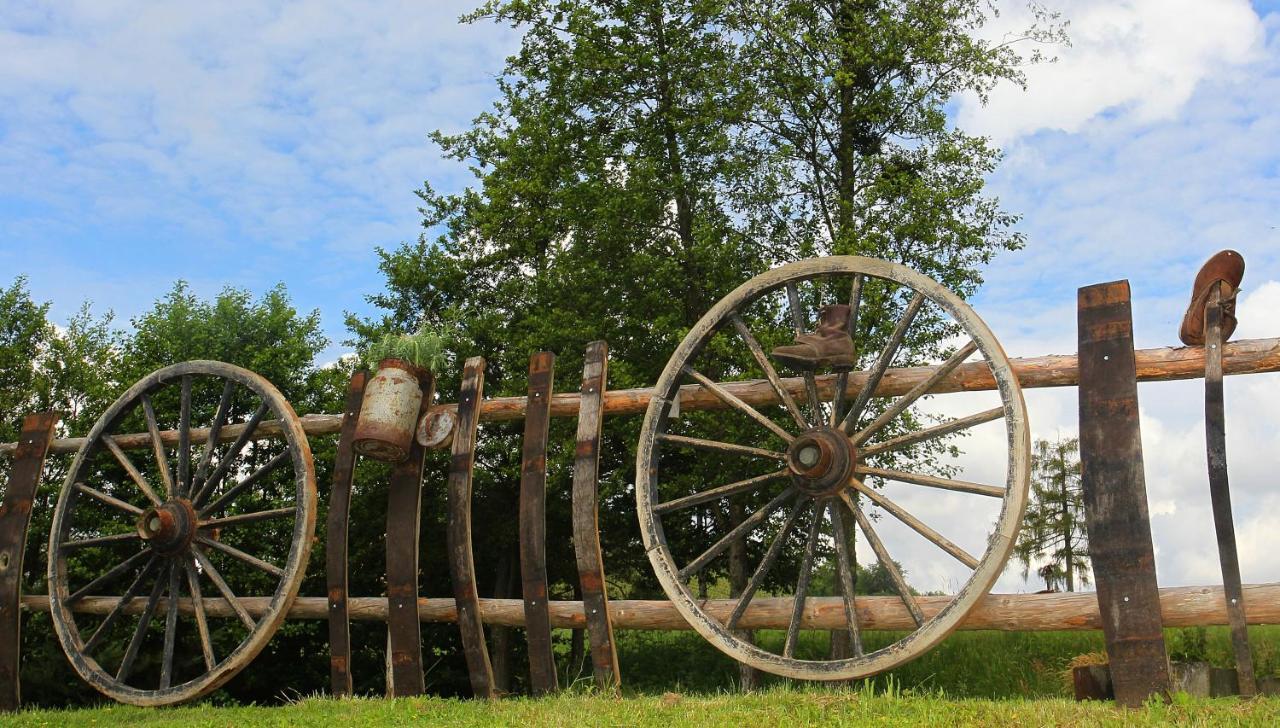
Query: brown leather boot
x=1226, y=266
x=829, y=346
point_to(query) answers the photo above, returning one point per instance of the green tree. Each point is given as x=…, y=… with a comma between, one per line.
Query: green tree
x=1053, y=529
x=644, y=158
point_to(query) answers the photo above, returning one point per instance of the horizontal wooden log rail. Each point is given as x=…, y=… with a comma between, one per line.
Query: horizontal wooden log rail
x=1248, y=356
x=1190, y=606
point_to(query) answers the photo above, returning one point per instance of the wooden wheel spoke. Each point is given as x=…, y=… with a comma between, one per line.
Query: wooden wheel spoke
x=216, y=577
x=239, y=555
x=131, y=469
x=770, y=556
x=918, y=391
x=238, y=488
x=960, y=486
x=170, y=628
x=157, y=446
x=108, y=577
x=845, y=566
x=726, y=447
x=118, y=610
x=770, y=372
x=730, y=399
x=882, y=555
x=112, y=501
x=883, y=361
x=101, y=540
x=946, y=428
x=225, y=462
x=916, y=524
x=215, y=430
x=202, y=619
x=802, y=584
x=749, y=523
x=184, y=438
x=842, y=377
x=139, y=634
x=798, y=323
x=248, y=518
x=723, y=491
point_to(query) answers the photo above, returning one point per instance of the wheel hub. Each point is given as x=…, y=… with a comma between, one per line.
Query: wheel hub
x=821, y=461
x=169, y=528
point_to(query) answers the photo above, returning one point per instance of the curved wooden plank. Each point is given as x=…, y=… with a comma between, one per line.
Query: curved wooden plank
x=15, y=518
x=461, y=562
x=404, y=510
x=586, y=519
x=336, y=544
x=533, y=524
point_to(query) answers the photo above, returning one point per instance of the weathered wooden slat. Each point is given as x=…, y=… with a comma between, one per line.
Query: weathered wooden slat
x=1188, y=606
x=336, y=573
x=461, y=562
x=586, y=517
x=1115, y=495
x=1248, y=356
x=1215, y=429
x=533, y=524
x=15, y=518
x=404, y=516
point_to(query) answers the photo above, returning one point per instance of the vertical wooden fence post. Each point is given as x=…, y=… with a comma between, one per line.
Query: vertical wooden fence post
x=15, y=518
x=533, y=524
x=461, y=561
x=586, y=526
x=404, y=511
x=1115, y=495
x=336, y=541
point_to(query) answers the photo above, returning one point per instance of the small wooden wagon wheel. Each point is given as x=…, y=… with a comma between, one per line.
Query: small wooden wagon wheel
x=812, y=467
x=169, y=572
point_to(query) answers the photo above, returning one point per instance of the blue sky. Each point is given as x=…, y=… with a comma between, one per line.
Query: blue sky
x=248, y=143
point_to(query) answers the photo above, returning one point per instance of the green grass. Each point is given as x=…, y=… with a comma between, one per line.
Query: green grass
x=966, y=665
x=777, y=706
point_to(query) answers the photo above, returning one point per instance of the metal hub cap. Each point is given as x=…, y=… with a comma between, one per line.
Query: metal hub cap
x=821, y=461
x=169, y=528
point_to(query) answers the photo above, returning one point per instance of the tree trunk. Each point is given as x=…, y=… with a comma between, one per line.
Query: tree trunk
x=504, y=584
x=748, y=677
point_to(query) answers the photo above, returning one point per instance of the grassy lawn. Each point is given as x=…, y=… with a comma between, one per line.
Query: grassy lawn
x=774, y=707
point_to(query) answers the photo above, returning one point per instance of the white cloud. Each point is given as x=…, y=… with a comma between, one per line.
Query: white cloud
x=1137, y=59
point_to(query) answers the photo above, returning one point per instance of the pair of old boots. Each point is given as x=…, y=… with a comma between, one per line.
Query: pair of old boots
x=828, y=346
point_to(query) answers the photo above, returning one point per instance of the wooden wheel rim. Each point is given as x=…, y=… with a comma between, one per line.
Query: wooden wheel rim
x=286, y=589
x=999, y=545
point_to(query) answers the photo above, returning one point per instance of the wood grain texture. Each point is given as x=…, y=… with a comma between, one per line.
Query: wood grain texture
x=586, y=518
x=404, y=517
x=1163, y=364
x=1115, y=495
x=1187, y=606
x=462, y=567
x=15, y=519
x=1215, y=428
x=336, y=544
x=533, y=524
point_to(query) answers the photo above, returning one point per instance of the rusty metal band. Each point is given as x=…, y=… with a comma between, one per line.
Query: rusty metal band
x=404, y=509
x=461, y=562
x=533, y=524
x=586, y=518
x=1215, y=429
x=1115, y=495
x=15, y=517
x=336, y=543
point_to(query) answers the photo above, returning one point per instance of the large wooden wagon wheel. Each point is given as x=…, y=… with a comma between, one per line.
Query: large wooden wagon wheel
x=171, y=566
x=786, y=479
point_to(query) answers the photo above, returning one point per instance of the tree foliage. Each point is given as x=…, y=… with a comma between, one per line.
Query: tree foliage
x=1053, y=529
